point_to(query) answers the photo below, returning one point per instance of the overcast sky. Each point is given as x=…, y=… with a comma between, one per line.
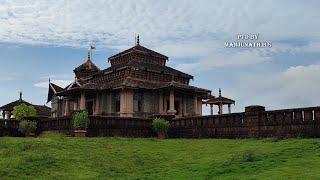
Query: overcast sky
x=48, y=39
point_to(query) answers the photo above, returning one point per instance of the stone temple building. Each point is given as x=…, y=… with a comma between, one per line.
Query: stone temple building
x=137, y=84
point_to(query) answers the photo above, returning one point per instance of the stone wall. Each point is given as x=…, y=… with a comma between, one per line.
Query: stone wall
x=254, y=122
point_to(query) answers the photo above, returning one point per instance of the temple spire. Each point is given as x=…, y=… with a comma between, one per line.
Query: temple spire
x=89, y=57
x=138, y=40
x=219, y=92
x=90, y=49
x=20, y=99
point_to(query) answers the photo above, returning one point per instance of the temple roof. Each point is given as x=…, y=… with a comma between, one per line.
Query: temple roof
x=139, y=49
x=42, y=110
x=135, y=83
x=53, y=89
x=219, y=100
x=87, y=66
x=100, y=80
x=145, y=66
x=10, y=106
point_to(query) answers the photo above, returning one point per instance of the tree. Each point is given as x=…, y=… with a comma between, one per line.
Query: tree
x=23, y=110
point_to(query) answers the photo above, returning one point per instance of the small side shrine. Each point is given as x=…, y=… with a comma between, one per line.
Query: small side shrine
x=42, y=110
x=219, y=101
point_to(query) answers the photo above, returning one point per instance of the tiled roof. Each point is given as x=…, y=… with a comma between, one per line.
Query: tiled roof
x=140, y=49
x=220, y=100
x=53, y=89
x=10, y=106
x=95, y=80
x=56, y=87
x=145, y=66
x=42, y=110
x=88, y=65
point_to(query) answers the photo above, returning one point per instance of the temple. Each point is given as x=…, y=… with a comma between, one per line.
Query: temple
x=137, y=84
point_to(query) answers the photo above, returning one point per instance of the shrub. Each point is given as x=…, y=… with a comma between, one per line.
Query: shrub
x=27, y=127
x=160, y=125
x=23, y=110
x=249, y=156
x=80, y=120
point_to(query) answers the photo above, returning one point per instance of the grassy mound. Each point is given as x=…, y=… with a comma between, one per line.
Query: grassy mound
x=54, y=156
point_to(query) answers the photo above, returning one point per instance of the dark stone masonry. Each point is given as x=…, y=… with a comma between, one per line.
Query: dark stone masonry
x=255, y=122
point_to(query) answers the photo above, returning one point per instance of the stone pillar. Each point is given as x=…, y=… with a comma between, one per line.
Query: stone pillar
x=195, y=104
x=67, y=107
x=126, y=103
x=83, y=101
x=220, y=109
x=211, y=109
x=75, y=105
x=161, y=111
x=181, y=106
x=229, y=108
x=252, y=120
x=6, y=115
x=171, y=100
x=97, y=108
x=184, y=105
x=9, y=114
x=199, y=107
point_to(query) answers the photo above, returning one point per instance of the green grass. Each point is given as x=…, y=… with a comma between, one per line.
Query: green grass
x=58, y=157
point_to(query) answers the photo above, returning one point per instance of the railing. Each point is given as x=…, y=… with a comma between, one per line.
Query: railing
x=120, y=126
x=61, y=124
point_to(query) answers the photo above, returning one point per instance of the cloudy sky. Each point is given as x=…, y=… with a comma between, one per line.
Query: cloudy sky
x=48, y=39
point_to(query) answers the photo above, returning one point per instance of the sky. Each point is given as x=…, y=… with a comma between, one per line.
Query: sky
x=48, y=39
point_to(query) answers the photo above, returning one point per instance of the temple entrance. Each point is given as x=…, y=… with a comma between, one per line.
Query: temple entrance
x=90, y=108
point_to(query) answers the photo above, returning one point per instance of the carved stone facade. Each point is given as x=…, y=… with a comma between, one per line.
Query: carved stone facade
x=138, y=84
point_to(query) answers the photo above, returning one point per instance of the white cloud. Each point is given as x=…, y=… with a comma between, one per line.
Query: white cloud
x=9, y=76
x=61, y=83
x=175, y=28
x=113, y=23
x=295, y=87
x=236, y=58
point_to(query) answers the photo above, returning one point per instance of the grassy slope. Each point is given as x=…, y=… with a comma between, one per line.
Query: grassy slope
x=64, y=157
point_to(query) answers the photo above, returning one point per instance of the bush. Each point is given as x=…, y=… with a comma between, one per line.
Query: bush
x=80, y=120
x=161, y=125
x=23, y=110
x=27, y=127
x=249, y=156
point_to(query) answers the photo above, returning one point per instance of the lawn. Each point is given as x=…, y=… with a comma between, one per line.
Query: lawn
x=57, y=157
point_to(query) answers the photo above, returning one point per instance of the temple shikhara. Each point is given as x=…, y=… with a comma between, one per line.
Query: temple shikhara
x=137, y=84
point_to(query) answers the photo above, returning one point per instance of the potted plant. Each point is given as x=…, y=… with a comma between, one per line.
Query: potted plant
x=80, y=123
x=161, y=126
x=28, y=128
